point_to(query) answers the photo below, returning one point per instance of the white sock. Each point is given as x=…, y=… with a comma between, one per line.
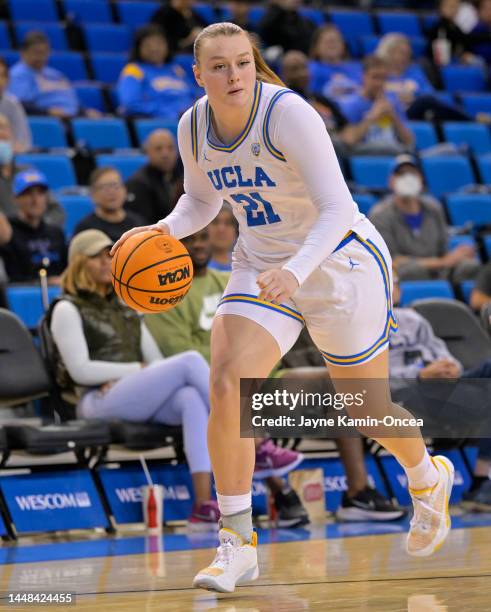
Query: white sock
x=233, y=504
x=422, y=476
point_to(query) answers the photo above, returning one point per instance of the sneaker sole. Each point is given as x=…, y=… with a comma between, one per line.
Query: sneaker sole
x=211, y=583
x=444, y=528
x=278, y=472
x=359, y=515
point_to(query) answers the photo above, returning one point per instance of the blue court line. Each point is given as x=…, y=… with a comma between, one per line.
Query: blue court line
x=110, y=547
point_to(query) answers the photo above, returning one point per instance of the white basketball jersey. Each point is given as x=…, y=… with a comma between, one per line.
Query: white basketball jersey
x=268, y=198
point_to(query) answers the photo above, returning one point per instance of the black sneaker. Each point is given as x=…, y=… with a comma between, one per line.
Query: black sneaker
x=290, y=511
x=368, y=505
x=478, y=500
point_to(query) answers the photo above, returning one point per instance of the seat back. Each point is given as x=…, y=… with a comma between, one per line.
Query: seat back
x=445, y=174
x=455, y=323
x=23, y=375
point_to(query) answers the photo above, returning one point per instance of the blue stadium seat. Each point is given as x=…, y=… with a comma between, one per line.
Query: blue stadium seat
x=107, y=133
x=88, y=11
x=466, y=288
x=365, y=201
x=135, y=14
x=143, y=127
x=107, y=66
x=5, y=42
x=487, y=246
x=429, y=21
x=114, y=38
x=206, y=12
x=418, y=290
x=90, y=96
x=424, y=134
x=463, y=78
x=10, y=56
x=447, y=173
x=25, y=10
x=70, y=63
x=484, y=166
x=57, y=168
x=313, y=14
x=473, y=207
x=353, y=26
x=54, y=31
x=76, y=207
x=27, y=302
x=126, y=164
x=475, y=135
x=372, y=172
x=47, y=132
x=456, y=241
x=369, y=44
x=477, y=103
x=256, y=13
x=405, y=23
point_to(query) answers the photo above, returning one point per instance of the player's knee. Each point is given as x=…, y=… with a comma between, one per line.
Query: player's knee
x=224, y=385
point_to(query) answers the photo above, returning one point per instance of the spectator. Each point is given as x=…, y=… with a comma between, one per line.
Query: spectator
x=481, y=294
x=40, y=88
x=180, y=24
x=188, y=327
x=152, y=84
x=108, y=362
x=414, y=228
x=332, y=74
x=410, y=84
x=108, y=194
x=283, y=26
x=447, y=28
x=14, y=112
x=378, y=123
x=33, y=243
x=481, y=34
x=223, y=232
x=239, y=14
x=154, y=189
x=416, y=353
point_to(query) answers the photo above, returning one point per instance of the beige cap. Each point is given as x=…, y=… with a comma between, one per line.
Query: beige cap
x=89, y=242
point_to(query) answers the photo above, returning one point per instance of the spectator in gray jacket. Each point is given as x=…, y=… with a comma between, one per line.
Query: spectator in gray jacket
x=15, y=113
x=414, y=227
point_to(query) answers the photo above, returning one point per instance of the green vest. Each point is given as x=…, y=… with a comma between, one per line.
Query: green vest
x=111, y=329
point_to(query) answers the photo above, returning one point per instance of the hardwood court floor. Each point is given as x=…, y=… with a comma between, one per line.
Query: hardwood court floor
x=370, y=573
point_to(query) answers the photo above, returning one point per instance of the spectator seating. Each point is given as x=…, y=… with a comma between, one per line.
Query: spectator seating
x=5, y=42
x=27, y=302
x=484, y=167
x=25, y=10
x=135, y=14
x=424, y=134
x=315, y=15
x=353, y=25
x=487, y=246
x=457, y=77
x=256, y=13
x=107, y=133
x=88, y=11
x=368, y=44
x=417, y=290
x=114, y=38
x=456, y=241
x=405, y=23
x=445, y=174
x=90, y=96
x=76, y=207
x=57, y=168
x=371, y=172
x=54, y=31
x=125, y=164
x=466, y=288
x=70, y=63
x=365, y=201
x=10, y=56
x=473, y=207
x=108, y=66
x=477, y=103
x=475, y=135
x=144, y=127
x=47, y=132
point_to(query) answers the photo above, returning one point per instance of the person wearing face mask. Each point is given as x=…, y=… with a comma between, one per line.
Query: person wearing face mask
x=414, y=227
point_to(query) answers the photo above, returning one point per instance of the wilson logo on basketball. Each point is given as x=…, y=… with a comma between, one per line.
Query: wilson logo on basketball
x=163, y=301
x=175, y=276
x=312, y=492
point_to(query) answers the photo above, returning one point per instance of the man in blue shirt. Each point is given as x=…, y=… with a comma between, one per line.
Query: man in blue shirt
x=41, y=89
x=378, y=123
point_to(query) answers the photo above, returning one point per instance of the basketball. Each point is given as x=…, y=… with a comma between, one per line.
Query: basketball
x=152, y=272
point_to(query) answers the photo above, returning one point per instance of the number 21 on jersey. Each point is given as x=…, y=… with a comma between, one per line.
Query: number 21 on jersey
x=258, y=211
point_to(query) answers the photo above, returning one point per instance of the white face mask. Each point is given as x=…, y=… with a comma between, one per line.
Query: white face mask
x=408, y=185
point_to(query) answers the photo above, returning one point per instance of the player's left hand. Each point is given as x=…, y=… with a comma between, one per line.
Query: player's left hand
x=276, y=285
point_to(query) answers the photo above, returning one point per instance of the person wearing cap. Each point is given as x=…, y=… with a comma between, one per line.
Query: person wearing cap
x=34, y=243
x=108, y=365
x=109, y=195
x=414, y=227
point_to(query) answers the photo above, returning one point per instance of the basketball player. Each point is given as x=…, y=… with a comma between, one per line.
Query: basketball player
x=305, y=255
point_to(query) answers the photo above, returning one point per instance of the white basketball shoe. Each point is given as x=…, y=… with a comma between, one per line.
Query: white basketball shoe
x=234, y=563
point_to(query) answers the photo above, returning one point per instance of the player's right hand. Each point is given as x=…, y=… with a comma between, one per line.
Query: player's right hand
x=157, y=227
